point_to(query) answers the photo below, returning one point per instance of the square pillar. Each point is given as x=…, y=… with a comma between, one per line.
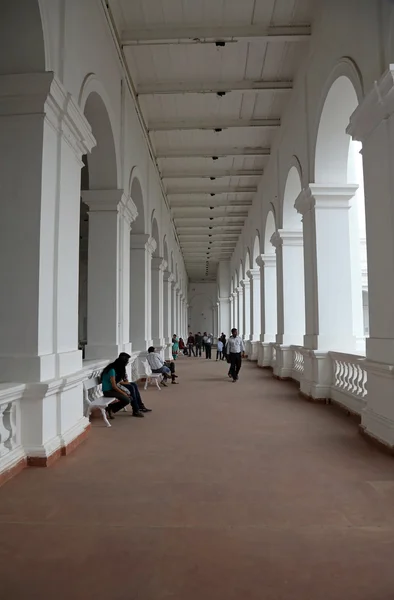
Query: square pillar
x=225, y=312
x=373, y=124
x=108, y=273
x=158, y=267
x=43, y=135
x=291, y=297
x=255, y=312
x=167, y=311
x=240, y=310
x=245, y=284
x=173, y=308
x=267, y=263
x=141, y=250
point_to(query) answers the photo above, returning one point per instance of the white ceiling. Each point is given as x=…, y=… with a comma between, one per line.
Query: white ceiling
x=188, y=86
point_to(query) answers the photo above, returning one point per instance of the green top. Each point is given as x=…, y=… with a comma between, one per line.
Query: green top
x=106, y=380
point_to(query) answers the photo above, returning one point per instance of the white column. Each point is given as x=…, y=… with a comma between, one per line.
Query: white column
x=225, y=312
x=158, y=267
x=240, y=310
x=43, y=136
x=255, y=311
x=178, y=312
x=267, y=262
x=173, y=308
x=291, y=297
x=167, y=310
x=234, y=310
x=328, y=266
x=142, y=248
x=245, y=284
x=109, y=251
x=373, y=125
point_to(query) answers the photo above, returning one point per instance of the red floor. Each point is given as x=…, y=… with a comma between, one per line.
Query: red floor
x=225, y=492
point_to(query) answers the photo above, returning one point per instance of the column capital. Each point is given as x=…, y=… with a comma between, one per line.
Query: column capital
x=142, y=241
x=169, y=277
x=245, y=283
x=291, y=237
x=105, y=200
x=129, y=209
x=238, y=290
x=377, y=106
x=325, y=196
x=253, y=274
x=266, y=260
x=43, y=93
x=158, y=263
x=276, y=240
x=224, y=300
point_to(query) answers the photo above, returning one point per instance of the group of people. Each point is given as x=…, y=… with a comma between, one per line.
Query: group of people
x=199, y=343
x=115, y=383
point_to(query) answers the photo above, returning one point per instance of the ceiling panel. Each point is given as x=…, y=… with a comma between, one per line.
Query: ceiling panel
x=177, y=121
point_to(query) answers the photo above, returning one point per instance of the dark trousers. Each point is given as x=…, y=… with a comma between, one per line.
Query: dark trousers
x=208, y=350
x=191, y=349
x=171, y=366
x=219, y=355
x=135, y=396
x=198, y=349
x=235, y=364
x=122, y=400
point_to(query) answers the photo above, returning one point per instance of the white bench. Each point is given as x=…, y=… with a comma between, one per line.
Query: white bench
x=93, y=396
x=150, y=377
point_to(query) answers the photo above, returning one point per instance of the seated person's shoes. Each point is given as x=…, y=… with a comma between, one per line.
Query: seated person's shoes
x=138, y=414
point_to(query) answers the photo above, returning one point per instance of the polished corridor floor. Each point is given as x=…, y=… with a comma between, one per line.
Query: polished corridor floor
x=224, y=492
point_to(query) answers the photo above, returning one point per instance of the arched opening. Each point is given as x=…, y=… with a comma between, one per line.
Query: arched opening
x=340, y=225
x=270, y=229
x=255, y=297
x=138, y=226
x=290, y=266
x=98, y=320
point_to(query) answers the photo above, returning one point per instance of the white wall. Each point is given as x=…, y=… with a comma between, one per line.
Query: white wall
x=202, y=301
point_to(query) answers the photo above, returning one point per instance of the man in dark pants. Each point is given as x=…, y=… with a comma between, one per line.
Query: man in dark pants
x=235, y=352
x=190, y=344
x=208, y=346
x=198, y=341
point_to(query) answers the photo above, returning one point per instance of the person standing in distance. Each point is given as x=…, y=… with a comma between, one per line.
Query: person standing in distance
x=235, y=351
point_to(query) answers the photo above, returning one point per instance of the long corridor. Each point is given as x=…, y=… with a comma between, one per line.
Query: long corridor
x=224, y=492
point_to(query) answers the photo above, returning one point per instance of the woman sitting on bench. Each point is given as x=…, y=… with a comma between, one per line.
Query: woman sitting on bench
x=111, y=390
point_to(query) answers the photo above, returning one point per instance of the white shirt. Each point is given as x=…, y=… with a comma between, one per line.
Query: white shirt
x=235, y=345
x=155, y=361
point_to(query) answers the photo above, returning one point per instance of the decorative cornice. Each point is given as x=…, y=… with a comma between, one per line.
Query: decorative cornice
x=253, y=274
x=245, y=283
x=138, y=241
x=43, y=93
x=158, y=263
x=239, y=290
x=129, y=209
x=151, y=245
x=276, y=240
x=304, y=202
x=169, y=277
x=266, y=260
x=377, y=106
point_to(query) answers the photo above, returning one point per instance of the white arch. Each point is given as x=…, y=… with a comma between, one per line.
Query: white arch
x=270, y=228
x=290, y=218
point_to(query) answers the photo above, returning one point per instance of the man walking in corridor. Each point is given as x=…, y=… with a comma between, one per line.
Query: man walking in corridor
x=235, y=352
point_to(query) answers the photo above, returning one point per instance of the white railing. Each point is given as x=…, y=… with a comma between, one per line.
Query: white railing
x=298, y=363
x=11, y=450
x=273, y=355
x=349, y=380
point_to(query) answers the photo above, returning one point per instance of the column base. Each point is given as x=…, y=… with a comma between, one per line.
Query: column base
x=52, y=421
x=266, y=355
x=283, y=368
x=254, y=350
x=315, y=382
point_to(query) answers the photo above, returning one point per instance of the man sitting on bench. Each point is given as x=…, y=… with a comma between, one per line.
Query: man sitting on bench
x=158, y=365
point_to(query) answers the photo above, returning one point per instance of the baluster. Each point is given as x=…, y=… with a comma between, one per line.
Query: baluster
x=5, y=432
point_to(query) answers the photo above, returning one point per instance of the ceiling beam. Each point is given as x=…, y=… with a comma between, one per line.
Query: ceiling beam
x=214, y=153
x=211, y=125
x=214, y=35
x=218, y=190
x=213, y=87
x=212, y=174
